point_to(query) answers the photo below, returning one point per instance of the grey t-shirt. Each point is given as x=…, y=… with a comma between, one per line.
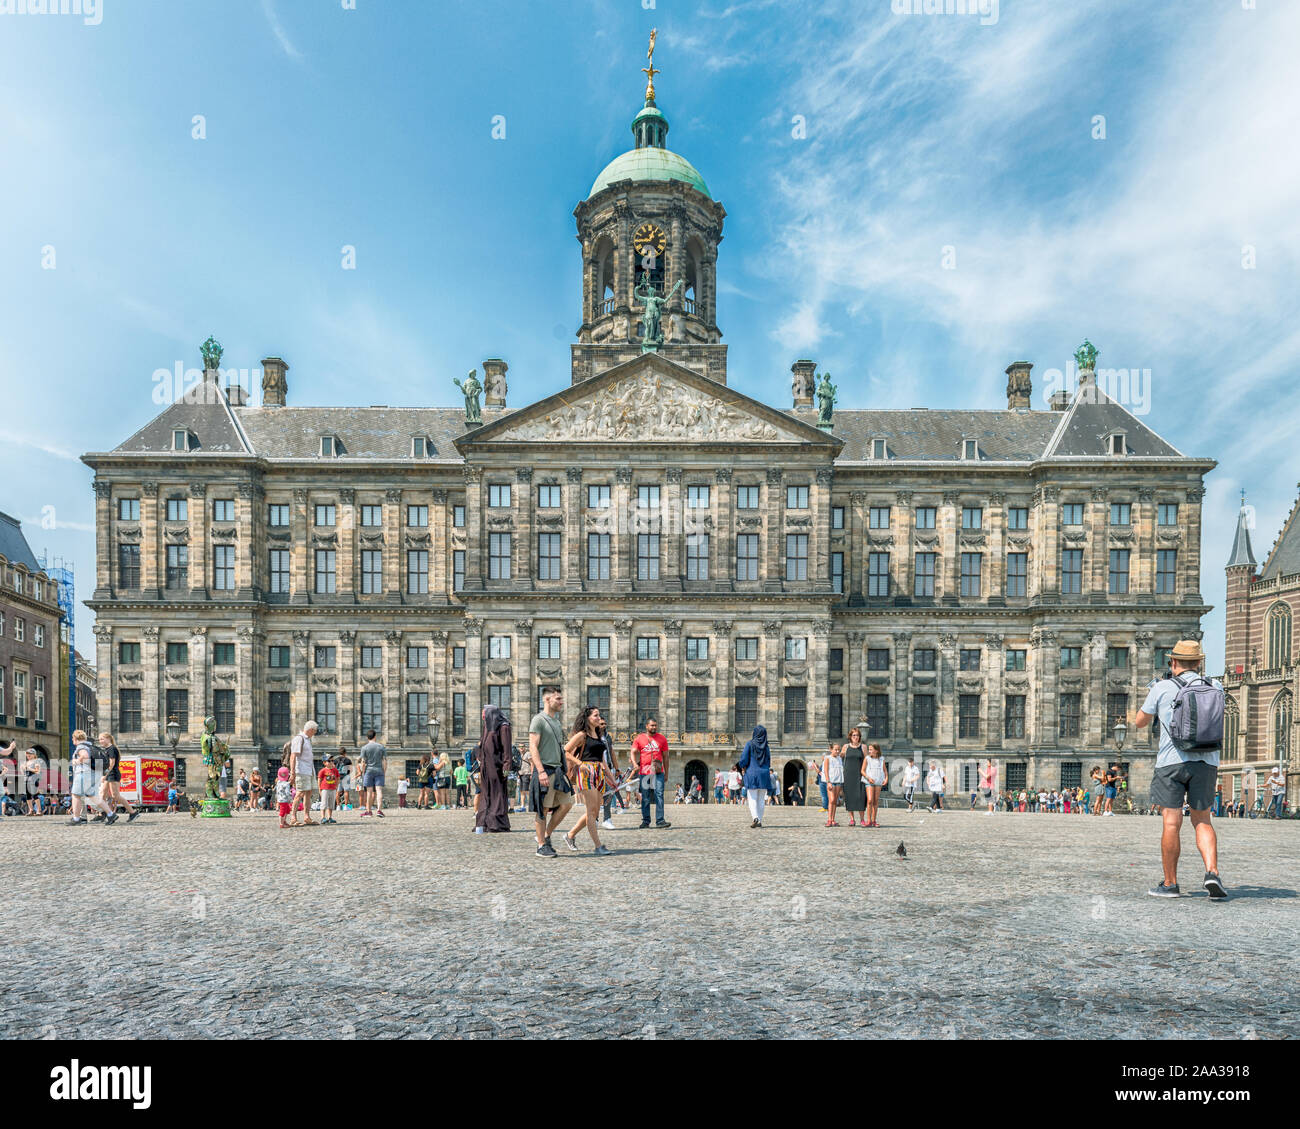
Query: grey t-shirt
x=550, y=746
x=1160, y=704
x=372, y=752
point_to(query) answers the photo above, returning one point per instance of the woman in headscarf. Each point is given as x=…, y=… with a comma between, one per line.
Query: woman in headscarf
x=756, y=764
x=493, y=765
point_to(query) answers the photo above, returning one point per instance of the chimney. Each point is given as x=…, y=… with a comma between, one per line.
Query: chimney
x=494, y=382
x=802, y=382
x=275, y=388
x=1019, y=385
x=236, y=394
x=1059, y=401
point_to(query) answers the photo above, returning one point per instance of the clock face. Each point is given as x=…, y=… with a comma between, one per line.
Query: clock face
x=647, y=235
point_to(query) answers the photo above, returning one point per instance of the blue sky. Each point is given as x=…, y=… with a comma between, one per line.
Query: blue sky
x=372, y=127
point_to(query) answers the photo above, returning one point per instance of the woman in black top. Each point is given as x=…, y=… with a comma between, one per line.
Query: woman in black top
x=585, y=751
x=110, y=790
x=855, y=791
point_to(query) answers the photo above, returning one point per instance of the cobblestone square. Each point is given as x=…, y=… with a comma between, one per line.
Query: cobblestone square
x=1004, y=926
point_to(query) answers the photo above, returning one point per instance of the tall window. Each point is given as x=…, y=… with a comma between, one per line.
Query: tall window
x=371, y=516
x=223, y=654
x=1017, y=517
x=923, y=658
x=178, y=654
x=178, y=567
x=697, y=555
x=598, y=497
x=178, y=707
x=1013, y=716
x=277, y=657
x=1070, y=713
x=1116, y=711
x=598, y=696
x=499, y=495
x=796, y=556
x=878, y=715
x=1072, y=513
x=697, y=497
x=417, y=658
x=597, y=556
x=923, y=577
x=972, y=517
x=458, y=516
x=1071, y=571
x=128, y=509
x=223, y=709
x=796, y=710
x=178, y=509
x=326, y=658
x=279, y=570
x=548, y=646
x=697, y=709
x=796, y=497
x=837, y=573
x=417, y=571
x=598, y=647
x=128, y=654
x=971, y=565
x=325, y=514
x=925, y=517
x=499, y=545
x=879, y=517
x=1117, y=658
x=548, y=556
x=458, y=657
x=548, y=497
x=38, y=698
x=1231, y=729
x=647, y=647
x=223, y=509
x=1121, y=513
x=128, y=566
x=746, y=709
x=458, y=715
x=457, y=569
x=1119, y=571
x=326, y=711
x=796, y=648
x=837, y=517
x=1014, y=658
x=968, y=715
x=372, y=712
x=1071, y=657
x=417, y=517
x=1282, y=726
x=372, y=658
x=417, y=714
x=697, y=649
x=923, y=717
x=372, y=571
x=223, y=568
x=277, y=515
x=647, y=704
x=877, y=658
x=747, y=556
x=647, y=556
x=1166, y=570
x=128, y=711
x=498, y=646
x=326, y=579
x=746, y=647
x=1279, y=635
x=834, y=716
x=1167, y=513
x=878, y=574
x=746, y=497
x=968, y=658
x=1017, y=573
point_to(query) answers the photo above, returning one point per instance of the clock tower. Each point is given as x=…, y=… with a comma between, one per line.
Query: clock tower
x=649, y=229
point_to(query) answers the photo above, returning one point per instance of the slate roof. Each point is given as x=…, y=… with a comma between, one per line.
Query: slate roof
x=1241, y=549
x=367, y=433
x=211, y=422
x=1091, y=418
x=919, y=433
x=1284, y=557
x=13, y=545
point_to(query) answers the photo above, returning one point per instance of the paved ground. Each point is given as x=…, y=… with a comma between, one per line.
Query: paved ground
x=997, y=926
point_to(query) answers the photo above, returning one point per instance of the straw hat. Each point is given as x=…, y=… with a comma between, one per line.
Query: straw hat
x=1187, y=651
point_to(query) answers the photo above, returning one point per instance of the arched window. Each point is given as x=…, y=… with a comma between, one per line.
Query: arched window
x=1279, y=635
x=1281, y=725
x=1231, y=729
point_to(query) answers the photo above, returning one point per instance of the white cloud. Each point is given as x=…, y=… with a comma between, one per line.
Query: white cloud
x=277, y=29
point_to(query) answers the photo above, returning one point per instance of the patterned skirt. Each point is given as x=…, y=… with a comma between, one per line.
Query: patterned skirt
x=593, y=777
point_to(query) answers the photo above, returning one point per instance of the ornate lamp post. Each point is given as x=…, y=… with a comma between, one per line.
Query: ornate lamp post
x=173, y=733
x=1120, y=733
x=434, y=726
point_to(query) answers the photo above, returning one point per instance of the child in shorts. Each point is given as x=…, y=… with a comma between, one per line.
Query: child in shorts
x=283, y=793
x=172, y=798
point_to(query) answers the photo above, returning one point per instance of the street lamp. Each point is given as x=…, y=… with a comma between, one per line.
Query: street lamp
x=173, y=733
x=434, y=726
x=1120, y=732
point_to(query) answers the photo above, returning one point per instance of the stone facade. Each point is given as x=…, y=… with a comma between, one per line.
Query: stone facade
x=975, y=583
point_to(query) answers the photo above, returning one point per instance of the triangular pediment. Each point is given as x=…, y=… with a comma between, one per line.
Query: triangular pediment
x=649, y=400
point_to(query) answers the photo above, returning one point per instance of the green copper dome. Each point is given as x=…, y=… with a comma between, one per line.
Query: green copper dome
x=649, y=164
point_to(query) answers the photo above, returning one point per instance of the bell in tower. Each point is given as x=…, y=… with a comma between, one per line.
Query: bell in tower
x=649, y=231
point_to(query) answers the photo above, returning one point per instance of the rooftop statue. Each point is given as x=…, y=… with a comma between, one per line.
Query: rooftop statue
x=211, y=350
x=653, y=320
x=472, y=389
x=825, y=400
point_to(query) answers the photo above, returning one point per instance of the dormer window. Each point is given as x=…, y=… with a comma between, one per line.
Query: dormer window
x=329, y=446
x=970, y=449
x=181, y=440
x=421, y=448
x=879, y=449
x=1116, y=443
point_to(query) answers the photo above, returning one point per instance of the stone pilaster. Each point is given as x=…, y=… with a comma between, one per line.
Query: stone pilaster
x=199, y=526
x=1189, y=564
x=672, y=702
x=575, y=533
x=994, y=664
x=523, y=661
x=819, y=548
x=200, y=678
x=774, y=530
x=105, y=577
x=572, y=650
x=722, y=545
x=153, y=714
x=475, y=543
x=671, y=566
x=770, y=703
x=947, y=579
x=300, y=548
x=900, y=563
x=152, y=552
x=248, y=545
x=945, y=726
x=394, y=548
x=348, y=561
x=247, y=725
x=394, y=665
x=995, y=520
x=1096, y=520
x=523, y=550
x=622, y=564
x=300, y=702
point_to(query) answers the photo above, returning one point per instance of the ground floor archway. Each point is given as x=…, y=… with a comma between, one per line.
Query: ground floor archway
x=795, y=772
x=696, y=770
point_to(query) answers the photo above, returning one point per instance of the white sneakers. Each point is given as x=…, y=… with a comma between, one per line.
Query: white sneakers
x=608, y=825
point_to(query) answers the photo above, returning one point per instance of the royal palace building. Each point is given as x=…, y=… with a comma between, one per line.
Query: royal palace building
x=652, y=539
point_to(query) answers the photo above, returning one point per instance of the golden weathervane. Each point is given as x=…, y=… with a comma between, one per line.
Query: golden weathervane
x=651, y=70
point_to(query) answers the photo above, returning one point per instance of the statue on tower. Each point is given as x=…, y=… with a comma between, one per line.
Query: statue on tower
x=472, y=389
x=211, y=350
x=650, y=70
x=825, y=400
x=1085, y=356
x=653, y=320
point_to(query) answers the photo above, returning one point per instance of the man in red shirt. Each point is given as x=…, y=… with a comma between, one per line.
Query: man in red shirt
x=328, y=778
x=650, y=760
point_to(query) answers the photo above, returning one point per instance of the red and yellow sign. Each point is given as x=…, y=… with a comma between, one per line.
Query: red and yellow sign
x=153, y=772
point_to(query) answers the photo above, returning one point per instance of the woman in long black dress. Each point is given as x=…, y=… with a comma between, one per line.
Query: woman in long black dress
x=855, y=792
x=494, y=763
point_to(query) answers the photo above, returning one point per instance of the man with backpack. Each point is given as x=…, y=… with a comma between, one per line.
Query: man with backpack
x=1190, y=710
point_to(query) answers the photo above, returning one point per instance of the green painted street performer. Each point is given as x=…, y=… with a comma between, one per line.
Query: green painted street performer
x=215, y=754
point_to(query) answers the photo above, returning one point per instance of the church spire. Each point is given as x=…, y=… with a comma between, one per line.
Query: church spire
x=1241, y=550
x=650, y=127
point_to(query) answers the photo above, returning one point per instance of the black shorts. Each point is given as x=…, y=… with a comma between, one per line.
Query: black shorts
x=113, y=776
x=536, y=793
x=1194, y=780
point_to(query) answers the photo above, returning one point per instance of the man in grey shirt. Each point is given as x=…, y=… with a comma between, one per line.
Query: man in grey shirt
x=1179, y=774
x=372, y=779
x=546, y=751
